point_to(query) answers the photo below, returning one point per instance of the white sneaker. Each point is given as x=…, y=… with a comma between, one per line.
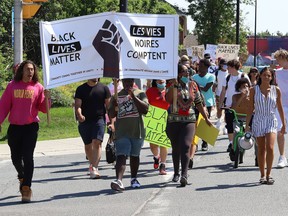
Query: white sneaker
x=218, y=124
x=282, y=162
x=93, y=172
x=117, y=185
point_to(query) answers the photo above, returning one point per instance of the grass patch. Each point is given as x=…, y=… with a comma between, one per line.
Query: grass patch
x=62, y=125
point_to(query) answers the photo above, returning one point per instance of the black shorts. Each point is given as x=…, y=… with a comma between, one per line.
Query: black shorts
x=90, y=130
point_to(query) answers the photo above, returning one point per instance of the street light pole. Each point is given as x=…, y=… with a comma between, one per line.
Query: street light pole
x=237, y=21
x=18, y=32
x=255, y=35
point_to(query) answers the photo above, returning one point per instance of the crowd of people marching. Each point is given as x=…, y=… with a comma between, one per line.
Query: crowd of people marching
x=201, y=87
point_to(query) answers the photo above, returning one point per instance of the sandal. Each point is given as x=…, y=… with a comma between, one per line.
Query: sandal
x=263, y=180
x=270, y=180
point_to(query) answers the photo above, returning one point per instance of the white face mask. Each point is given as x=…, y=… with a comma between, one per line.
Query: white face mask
x=225, y=67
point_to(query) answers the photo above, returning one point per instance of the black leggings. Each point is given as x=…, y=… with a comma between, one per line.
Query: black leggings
x=180, y=135
x=22, y=141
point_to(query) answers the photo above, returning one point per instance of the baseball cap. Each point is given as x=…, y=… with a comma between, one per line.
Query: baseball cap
x=207, y=56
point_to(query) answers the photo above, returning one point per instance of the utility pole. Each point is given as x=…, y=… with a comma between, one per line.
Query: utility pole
x=18, y=32
x=255, y=36
x=237, y=22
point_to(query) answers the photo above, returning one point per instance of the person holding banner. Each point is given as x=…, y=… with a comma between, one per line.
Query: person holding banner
x=91, y=100
x=156, y=97
x=23, y=98
x=128, y=108
x=182, y=94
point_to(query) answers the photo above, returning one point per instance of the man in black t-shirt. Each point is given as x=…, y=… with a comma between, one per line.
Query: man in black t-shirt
x=91, y=100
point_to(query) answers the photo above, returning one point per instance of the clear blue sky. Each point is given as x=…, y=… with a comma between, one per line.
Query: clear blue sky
x=271, y=15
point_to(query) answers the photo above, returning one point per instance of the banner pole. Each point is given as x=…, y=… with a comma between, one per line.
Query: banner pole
x=48, y=111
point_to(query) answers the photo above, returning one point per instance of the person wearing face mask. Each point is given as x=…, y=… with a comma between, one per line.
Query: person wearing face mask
x=220, y=75
x=182, y=95
x=228, y=90
x=205, y=82
x=156, y=97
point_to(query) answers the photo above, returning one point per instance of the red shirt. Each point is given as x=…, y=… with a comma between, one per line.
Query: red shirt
x=157, y=98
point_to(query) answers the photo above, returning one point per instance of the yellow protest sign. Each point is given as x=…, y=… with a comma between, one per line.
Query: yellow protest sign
x=205, y=132
x=155, y=125
x=196, y=138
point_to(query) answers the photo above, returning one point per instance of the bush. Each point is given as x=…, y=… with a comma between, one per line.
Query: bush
x=60, y=98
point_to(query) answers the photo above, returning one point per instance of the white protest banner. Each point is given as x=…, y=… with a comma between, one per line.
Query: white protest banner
x=189, y=51
x=211, y=49
x=109, y=45
x=227, y=51
x=197, y=52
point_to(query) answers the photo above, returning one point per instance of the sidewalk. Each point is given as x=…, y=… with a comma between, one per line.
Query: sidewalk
x=55, y=147
x=70, y=145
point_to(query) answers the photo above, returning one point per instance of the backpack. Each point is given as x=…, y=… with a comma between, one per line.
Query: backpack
x=228, y=78
x=216, y=75
x=215, y=84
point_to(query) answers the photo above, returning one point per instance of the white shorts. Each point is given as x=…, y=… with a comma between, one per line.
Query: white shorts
x=279, y=119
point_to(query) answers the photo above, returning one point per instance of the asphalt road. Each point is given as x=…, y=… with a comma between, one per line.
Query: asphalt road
x=61, y=186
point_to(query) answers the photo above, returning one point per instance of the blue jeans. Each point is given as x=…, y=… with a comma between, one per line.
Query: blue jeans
x=128, y=146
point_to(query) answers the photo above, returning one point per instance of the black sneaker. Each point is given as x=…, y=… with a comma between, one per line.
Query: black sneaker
x=183, y=181
x=190, y=166
x=232, y=155
x=204, y=147
x=229, y=147
x=135, y=183
x=176, y=178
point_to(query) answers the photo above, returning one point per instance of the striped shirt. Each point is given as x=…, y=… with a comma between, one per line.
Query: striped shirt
x=264, y=120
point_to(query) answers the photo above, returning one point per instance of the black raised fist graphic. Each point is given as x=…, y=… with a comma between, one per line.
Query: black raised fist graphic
x=107, y=43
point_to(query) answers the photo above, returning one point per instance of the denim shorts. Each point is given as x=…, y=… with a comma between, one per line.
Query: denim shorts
x=128, y=146
x=90, y=130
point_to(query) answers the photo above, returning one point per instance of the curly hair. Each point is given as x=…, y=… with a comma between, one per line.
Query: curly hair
x=19, y=73
x=281, y=54
x=240, y=82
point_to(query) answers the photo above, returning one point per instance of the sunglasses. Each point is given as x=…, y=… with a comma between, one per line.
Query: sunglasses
x=184, y=71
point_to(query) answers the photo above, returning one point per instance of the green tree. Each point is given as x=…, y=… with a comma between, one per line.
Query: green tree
x=6, y=50
x=263, y=34
x=215, y=21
